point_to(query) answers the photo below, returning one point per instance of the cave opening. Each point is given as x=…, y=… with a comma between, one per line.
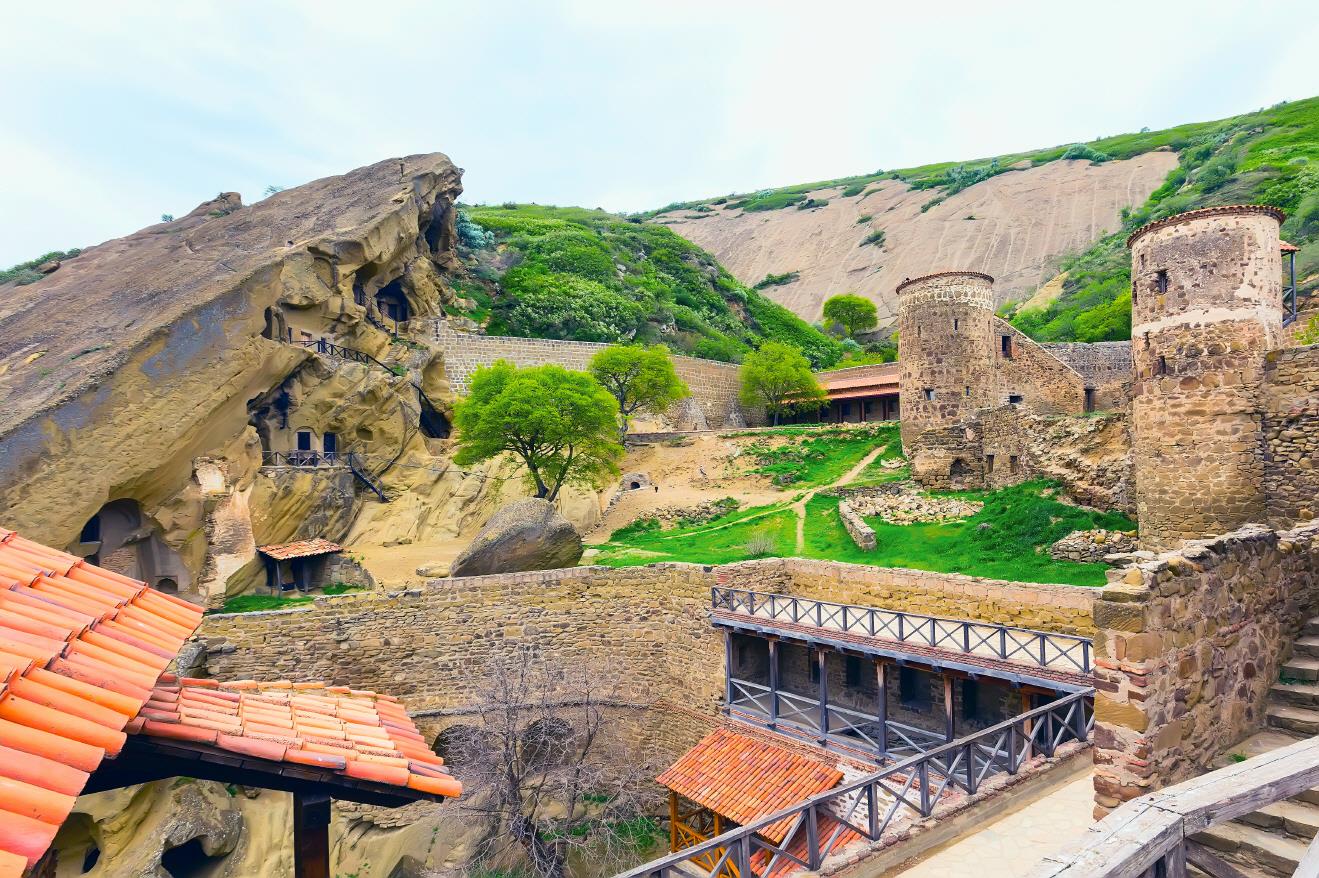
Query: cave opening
x=190, y=860
x=392, y=303
x=434, y=425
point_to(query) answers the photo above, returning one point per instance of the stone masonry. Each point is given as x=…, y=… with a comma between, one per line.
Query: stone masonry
x=1189, y=644
x=1291, y=434
x=714, y=385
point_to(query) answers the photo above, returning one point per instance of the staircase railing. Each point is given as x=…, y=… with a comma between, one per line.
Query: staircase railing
x=326, y=459
x=1154, y=835
x=331, y=349
x=366, y=478
x=868, y=806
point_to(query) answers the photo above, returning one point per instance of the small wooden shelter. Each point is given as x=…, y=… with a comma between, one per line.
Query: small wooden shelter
x=299, y=565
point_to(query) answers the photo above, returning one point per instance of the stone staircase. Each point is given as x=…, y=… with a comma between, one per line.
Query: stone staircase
x=1270, y=842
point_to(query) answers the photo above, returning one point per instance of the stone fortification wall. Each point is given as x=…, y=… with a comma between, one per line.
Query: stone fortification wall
x=1062, y=608
x=1189, y=644
x=1104, y=365
x=1291, y=434
x=1045, y=383
x=1206, y=309
x=714, y=385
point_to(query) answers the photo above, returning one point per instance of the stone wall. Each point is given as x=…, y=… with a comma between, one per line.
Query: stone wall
x=1291, y=434
x=861, y=533
x=1062, y=608
x=1044, y=383
x=1189, y=644
x=1105, y=366
x=714, y=385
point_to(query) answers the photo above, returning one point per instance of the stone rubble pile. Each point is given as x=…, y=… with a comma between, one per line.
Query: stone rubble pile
x=903, y=503
x=1092, y=546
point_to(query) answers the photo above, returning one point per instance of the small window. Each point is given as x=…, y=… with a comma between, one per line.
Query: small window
x=1161, y=281
x=912, y=691
x=1014, y=464
x=1014, y=399
x=970, y=699
x=852, y=671
x=966, y=391
x=330, y=442
x=1133, y=292
x=956, y=324
x=304, y=440
x=1089, y=399
x=1161, y=365
x=1005, y=345
x=989, y=464
x=929, y=392
x=815, y=668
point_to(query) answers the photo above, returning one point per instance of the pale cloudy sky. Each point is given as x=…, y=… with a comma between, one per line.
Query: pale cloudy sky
x=115, y=113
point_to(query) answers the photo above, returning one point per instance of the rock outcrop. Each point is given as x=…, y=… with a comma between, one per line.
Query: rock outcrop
x=527, y=535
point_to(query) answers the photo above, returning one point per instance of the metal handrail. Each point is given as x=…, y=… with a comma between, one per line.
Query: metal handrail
x=305, y=459
x=913, y=787
x=1043, y=649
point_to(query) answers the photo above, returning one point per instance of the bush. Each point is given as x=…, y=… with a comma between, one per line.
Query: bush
x=1085, y=152
x=875, y=238
x=853, y=190
x=775, y=280
x=470, y=234
x=26, y=272
x=760, y=545
x=864, y=218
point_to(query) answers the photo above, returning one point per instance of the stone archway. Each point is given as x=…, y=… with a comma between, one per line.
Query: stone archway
x=122, y=538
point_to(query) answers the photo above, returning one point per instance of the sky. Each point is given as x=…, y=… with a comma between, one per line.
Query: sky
x=116, y=113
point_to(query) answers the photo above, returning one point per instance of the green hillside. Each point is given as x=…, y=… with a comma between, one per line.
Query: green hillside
x=1270, y=157
x=588, y=275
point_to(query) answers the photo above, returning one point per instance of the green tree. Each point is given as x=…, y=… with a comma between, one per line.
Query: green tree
x=778, y=376
x=852, y=312
x=640, y=379
x=563, y=425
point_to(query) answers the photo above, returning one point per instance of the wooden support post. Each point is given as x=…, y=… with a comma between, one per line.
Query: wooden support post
x=773, y=682
x=881, y=677
x=728, y=668
x=821, y=658
x=673, y=820
x=950, y=721
x=311, y=835
x=1028, y=726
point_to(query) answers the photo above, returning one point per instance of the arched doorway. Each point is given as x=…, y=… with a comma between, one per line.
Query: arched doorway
x=120, y=537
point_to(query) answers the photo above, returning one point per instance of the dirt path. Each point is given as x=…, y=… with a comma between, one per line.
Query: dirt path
x=799, y=508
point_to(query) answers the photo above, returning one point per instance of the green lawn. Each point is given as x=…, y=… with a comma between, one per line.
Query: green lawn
x=255, y=603
x=816, y=456
x=1020, y=522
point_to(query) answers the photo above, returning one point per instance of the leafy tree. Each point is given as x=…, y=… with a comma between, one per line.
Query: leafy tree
x=640, y=379
x=778, y=376
x=852, y=312
x=563, y=425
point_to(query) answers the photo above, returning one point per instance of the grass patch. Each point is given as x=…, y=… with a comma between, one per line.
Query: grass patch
x=738, y=536
x=875, y=238
x=1021, y=522
x=820, y=457
x=777, y=280
x=256, y=603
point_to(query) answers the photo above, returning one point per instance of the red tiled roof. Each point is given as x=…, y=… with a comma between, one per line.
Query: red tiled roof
x=1288, y=247
x=744, y=779
x=80, y=649
x=357, y=734
x=301, y=549
x=882, y=377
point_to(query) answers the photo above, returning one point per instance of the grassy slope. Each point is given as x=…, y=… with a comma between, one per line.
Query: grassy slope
x=573, y=273
x=1270, y=156
x=812, y=457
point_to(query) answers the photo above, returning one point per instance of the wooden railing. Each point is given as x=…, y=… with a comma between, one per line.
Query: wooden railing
x=910, y=789
x=321, y=459
x=1043, y=649
x=1153, y=836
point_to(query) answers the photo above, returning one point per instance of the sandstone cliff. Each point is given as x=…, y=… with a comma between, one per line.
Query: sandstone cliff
x=1014, y=226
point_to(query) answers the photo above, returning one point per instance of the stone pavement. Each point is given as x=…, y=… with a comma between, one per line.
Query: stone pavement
x=1013, y=845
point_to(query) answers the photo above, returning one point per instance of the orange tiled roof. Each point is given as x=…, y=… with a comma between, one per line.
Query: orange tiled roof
x=1288, y=247
x=80, y=649
x=300, y=549
x=358, y=734
x=825, y=825
x=744, y=779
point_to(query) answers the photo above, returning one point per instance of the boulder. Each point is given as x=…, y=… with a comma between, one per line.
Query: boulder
x=527, y=535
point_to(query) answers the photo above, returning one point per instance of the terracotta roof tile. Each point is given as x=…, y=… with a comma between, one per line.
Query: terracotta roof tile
x=1288, y=247
x=300, y=549
x=826, y=825
x=80, y=648
x=745, y=779
x=358, y=734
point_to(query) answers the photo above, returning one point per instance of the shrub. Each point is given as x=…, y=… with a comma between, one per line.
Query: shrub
x=854, y=189
x=26, y=272
x=761, y=544
x=864, y=218
x=1085, y=152
x=775, y=280
x=470, y=233
x=811, y=203
x=875, y=238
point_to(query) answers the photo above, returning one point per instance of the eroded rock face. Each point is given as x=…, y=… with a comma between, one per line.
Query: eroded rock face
x=529, y=534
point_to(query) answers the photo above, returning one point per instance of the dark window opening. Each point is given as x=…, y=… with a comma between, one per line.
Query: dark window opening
x=167, y=585
x=304, y=440
x=1161, y=281
x=1014, y=464
x=1133, y=292
x=392, y=303
x=189, y=860
x=815, y=669
x=989, y=464
x=91, y=858
x=970, y=699
x=1089, y=399
x=959, y=469
x=929, y=392
x=847, y=410
x=1014, y=399
x=1161, y=365
x=852, y=671
x=956, y=324
x=1005, y=346
x=966, y=391
x=912, y=690
x=330, y=442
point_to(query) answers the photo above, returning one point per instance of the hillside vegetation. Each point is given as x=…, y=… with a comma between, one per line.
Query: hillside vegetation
x=1269, y=157
x=589, y=275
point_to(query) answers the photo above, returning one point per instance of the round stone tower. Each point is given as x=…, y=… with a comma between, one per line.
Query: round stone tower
x=1206, y=303
x=945, y=348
